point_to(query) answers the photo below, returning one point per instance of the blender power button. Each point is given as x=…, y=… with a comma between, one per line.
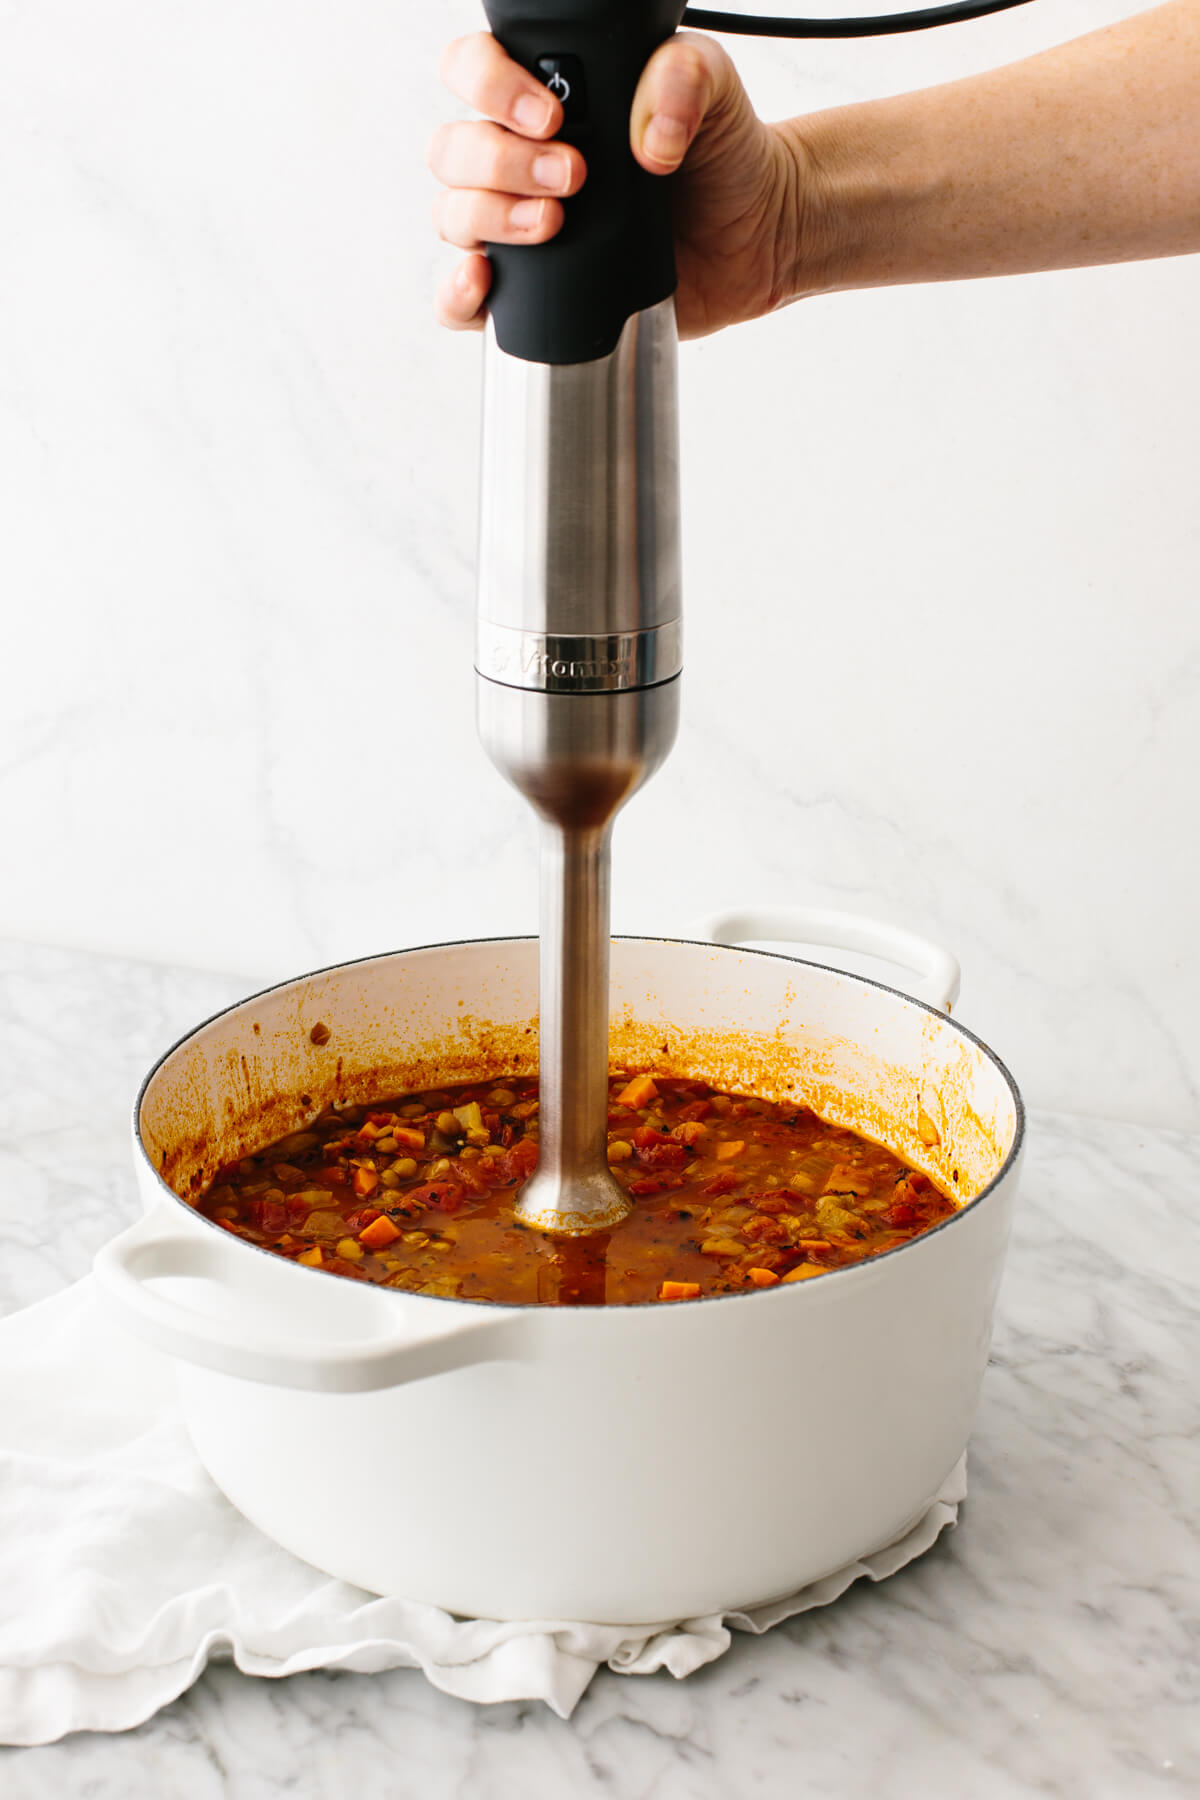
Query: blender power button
x=563, y=75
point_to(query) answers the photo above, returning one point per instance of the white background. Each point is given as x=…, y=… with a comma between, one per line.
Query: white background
x=942, y=554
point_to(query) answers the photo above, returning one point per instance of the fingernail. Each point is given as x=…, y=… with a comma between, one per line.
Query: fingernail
x=463, y=279
x=553, y=172
x=526, y=214
x=532, y=114
x=666, y=139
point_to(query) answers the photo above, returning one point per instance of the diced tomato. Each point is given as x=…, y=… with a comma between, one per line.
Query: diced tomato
x=662, y=1156
x=506, y=1136
x=901, y=1213
x=699, y=1109
x=491, y=1121
x=771, y=1200
x=521, y=1160
x=649, y=1184
x=381, y=1119
x=337, y=1265
x=334, y=1178
x=762, y=1229
x=488, y=1173
x=439, y=1196
x=474, y=1175
x=297, y=1210
x=721, y=1184
x=268, y=1216
x=366, y=1215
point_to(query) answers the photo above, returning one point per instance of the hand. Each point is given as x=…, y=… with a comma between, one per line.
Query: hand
x=743, y=199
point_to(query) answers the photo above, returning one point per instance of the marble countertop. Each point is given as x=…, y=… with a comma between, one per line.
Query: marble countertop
x=1047, y=1646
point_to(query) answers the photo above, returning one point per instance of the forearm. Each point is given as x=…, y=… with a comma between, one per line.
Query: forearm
x=1089, y=153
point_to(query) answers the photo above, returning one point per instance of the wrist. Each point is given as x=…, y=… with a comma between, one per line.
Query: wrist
x=852, y=192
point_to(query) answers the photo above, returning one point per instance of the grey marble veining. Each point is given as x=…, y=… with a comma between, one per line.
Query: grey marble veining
x=1048, y=1646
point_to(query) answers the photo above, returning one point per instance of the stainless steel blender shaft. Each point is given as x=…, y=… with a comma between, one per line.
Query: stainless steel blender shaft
x=579, y=652
x=577, y=758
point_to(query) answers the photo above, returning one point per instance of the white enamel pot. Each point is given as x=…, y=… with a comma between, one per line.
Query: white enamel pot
x=627, y=1464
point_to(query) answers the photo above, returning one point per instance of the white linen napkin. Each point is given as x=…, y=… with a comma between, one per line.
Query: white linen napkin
x=123, y=1568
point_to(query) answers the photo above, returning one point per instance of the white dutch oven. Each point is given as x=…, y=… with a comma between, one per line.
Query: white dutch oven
x=626, y=1464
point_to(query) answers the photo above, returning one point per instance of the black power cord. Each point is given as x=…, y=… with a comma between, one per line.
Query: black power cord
x=746, y=25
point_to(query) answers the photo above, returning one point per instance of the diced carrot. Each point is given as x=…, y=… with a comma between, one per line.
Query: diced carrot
x=814, y=1246
x=312, y=1259
x=646, y=1134
x=732, y=1147
x=365, y=1182
x=380, y=1234
x=408, y=1140
x=638, y=1092
x=763, y=1277
x=679, y=1290
x=802, y=1273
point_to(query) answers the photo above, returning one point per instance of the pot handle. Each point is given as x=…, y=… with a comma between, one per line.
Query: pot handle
x=395, y=1352
x=938, y=974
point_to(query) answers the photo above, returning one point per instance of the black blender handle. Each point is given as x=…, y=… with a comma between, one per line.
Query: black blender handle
x=568, y=301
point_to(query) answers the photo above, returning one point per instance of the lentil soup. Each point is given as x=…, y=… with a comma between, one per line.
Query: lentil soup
x=729, y=1193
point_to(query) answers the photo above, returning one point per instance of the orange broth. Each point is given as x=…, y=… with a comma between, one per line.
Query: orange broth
x=730, y=1193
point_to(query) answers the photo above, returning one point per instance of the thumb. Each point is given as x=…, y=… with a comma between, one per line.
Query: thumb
x=685, y=79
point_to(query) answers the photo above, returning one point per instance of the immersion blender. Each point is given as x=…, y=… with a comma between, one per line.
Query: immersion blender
x=579, y=646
